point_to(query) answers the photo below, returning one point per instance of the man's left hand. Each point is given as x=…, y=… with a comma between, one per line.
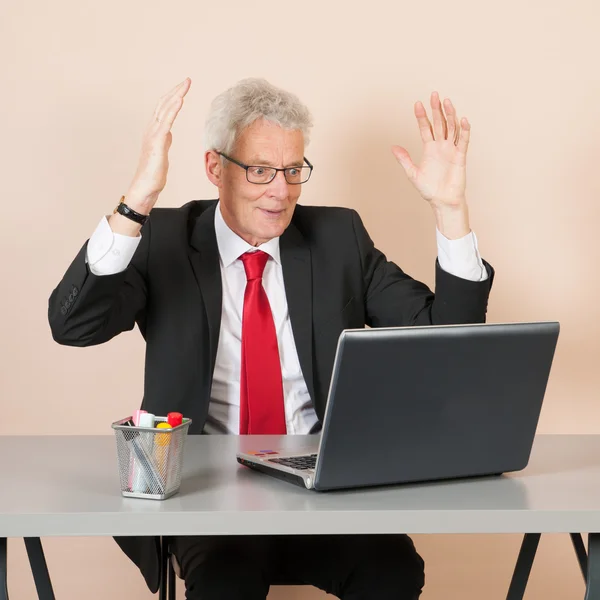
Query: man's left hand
x=441, y=176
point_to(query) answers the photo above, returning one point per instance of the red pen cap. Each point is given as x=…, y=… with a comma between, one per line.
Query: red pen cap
x=174, y=419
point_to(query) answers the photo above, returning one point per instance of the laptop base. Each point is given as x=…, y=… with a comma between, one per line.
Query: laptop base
x=277, y=473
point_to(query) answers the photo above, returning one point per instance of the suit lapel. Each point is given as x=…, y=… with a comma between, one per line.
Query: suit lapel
x=204, y=257
x=297, y=277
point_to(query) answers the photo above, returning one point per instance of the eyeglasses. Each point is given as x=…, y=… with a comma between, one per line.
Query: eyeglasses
x=262, y=175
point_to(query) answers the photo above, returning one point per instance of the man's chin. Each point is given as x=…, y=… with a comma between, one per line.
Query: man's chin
x=271, y=230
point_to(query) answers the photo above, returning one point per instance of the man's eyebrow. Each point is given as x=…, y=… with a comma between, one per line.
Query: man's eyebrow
x=262, y=162
x=259, y=161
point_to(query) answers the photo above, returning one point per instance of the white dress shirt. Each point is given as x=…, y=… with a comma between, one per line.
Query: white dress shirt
x=109, y=253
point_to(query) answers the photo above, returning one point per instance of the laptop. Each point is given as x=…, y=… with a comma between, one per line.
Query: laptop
x=426, y=403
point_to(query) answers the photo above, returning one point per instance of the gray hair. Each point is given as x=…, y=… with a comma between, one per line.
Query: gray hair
x=246, y=102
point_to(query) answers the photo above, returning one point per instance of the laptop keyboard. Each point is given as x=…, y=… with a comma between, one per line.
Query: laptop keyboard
x=302, y=463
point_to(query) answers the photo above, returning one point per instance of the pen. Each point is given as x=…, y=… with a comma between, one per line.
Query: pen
x=135, y=477
x=153, y=481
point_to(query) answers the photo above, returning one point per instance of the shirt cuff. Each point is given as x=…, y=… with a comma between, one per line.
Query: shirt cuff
x=461, y=257
x=108, y=252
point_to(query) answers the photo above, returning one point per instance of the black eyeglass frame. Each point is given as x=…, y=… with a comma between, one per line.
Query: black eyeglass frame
x=274, y=169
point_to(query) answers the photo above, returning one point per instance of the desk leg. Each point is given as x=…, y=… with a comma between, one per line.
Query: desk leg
x=516, y=591
x=172, y=582
x=3, y=574
x=592, y=591
x=164, y=559
x=39, y=568
x=581, y=553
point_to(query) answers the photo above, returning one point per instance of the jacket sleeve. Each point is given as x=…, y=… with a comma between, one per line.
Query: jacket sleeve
x=394, y=299
x=87, y=309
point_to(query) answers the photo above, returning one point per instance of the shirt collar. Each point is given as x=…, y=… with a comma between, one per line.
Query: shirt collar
x=232, y=246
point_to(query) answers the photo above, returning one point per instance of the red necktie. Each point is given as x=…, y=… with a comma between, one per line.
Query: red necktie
x=261, y=395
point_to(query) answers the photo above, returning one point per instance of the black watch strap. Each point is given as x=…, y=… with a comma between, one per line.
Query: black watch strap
x=124, y=210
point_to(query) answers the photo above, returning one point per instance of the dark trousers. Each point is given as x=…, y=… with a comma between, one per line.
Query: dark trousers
x=351, y=567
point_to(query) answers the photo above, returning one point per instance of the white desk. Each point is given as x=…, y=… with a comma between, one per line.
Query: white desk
x=68, y=486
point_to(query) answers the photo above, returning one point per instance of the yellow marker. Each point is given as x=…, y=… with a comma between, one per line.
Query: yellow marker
x=163, y=439
x=161, y=451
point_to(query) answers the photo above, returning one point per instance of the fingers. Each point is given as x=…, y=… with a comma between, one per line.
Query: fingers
x=452, y=121
x=179, y=91
x=167, y=115
x=403, y=157
x=185, y=83
x=423, y=122
x=439, y=121
x=445, y=126
x=465, y=134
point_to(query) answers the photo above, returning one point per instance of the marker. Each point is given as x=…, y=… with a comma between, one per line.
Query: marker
x=142, y=450
x=146, y=420
x=162, y=439
x=161, y=451
x=174, y=419
x=136, y=416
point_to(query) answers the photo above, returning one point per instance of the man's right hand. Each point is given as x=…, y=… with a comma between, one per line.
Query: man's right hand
x=151, y=175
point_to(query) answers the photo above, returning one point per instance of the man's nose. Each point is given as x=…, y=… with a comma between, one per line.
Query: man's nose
x=279, y=186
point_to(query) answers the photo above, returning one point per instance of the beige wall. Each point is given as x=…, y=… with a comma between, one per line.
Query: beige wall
x=79, y=81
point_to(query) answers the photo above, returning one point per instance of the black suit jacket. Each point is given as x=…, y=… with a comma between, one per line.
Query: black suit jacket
x=334, y=279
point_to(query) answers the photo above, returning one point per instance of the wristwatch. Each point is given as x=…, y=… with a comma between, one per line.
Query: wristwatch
x=124, y=210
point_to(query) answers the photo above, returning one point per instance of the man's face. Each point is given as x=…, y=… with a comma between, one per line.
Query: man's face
x=256, y=212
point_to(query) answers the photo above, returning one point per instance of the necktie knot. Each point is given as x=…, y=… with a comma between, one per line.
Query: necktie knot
x=254, y=264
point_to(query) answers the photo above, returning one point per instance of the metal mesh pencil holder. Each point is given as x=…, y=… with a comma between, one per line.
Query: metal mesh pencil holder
x=150, y=460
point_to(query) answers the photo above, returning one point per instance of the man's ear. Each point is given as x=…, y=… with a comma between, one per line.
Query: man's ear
x=214, y=168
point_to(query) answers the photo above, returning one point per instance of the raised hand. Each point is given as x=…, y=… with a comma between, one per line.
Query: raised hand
x=151, y=174
x=441, y=176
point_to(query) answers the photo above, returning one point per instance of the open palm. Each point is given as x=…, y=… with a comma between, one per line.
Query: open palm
x=441, y=176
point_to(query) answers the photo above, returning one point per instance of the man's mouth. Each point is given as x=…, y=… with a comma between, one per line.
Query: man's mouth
x=271, y=213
